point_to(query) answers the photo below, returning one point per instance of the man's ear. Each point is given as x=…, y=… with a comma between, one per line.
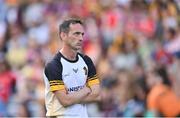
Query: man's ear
x=62, y=35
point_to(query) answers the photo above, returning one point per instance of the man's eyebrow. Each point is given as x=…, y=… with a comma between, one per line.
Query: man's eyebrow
x=79, y=33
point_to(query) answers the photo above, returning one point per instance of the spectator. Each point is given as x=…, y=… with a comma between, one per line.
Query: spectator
x=161, y=100
x=7, y=85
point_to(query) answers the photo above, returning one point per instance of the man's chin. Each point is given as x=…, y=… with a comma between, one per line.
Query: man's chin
x=78, y=49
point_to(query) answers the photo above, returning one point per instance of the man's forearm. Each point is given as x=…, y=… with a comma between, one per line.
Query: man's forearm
x=93, y=96
x=67, y=99
x=77, y=97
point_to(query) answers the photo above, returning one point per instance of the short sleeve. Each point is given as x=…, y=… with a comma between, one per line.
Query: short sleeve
x=53, y=72
x=92, y=75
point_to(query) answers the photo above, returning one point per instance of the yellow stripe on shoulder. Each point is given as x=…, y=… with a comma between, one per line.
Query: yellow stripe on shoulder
x=93, y=82
x=93, y=77
x=53, y=84
x=56, y=81
x=57, y=87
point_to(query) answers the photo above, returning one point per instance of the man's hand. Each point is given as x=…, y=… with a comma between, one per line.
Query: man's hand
x=94, y=95
x=88, y=89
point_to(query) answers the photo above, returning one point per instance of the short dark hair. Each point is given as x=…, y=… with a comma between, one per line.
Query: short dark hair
x=64, y=27
x=162, y=72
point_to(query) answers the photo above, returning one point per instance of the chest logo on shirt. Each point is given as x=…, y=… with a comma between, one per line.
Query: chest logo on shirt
x=85, y=70
x=66, y=75
x=75, y=70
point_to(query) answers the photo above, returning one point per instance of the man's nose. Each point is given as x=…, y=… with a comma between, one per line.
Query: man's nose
x=80, y=37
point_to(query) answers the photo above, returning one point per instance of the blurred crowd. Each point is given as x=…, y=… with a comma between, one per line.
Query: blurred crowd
x=135, y=45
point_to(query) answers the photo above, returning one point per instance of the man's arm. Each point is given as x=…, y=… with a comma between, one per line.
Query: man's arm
x=94, y=95
x=67, y=99
x=92, y=81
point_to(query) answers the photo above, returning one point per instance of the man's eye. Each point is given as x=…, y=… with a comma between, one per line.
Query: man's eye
x=79, y=33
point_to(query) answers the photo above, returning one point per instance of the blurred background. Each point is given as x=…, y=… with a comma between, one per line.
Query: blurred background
x=135, y=45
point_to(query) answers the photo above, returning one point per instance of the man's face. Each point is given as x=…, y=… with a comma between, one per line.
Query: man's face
x=75, y=36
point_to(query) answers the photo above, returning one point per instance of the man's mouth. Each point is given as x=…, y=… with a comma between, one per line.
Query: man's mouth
x=79, y=44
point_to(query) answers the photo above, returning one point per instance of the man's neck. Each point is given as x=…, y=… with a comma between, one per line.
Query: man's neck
x=69, y=53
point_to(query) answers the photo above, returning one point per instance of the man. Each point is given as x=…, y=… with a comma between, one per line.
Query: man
x=70, y=77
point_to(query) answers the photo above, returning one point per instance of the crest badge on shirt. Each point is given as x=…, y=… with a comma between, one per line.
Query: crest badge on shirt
x=85, y=70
